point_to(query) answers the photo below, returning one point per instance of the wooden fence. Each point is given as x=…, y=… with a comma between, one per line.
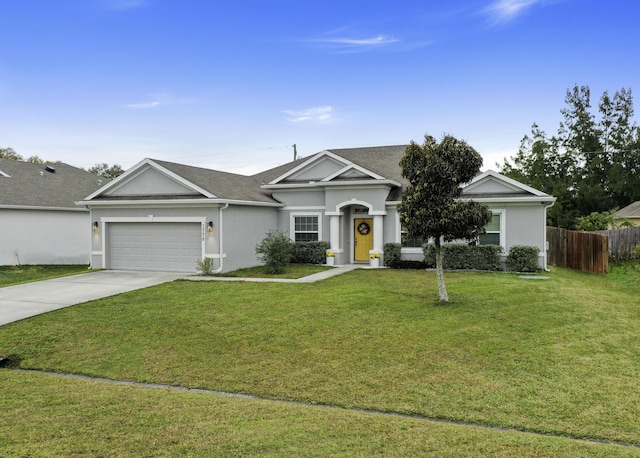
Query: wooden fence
x=622, y=242
x=585, y=251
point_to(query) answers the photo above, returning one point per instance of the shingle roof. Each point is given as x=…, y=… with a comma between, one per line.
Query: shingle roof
x=383, y=160
x=630, y=211
x=224, y=185
x=31, y=185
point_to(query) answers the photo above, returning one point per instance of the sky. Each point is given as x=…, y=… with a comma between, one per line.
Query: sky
x=232, y=85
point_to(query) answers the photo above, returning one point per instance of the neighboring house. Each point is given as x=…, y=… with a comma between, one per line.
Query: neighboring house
x=39, y=221
x=161, y=215
x=630, y=212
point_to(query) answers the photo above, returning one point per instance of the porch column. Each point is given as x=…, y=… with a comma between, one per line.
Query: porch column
x=334, y=227
x=377, y=233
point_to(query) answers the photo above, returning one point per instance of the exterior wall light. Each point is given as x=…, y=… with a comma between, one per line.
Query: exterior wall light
x=210, y=229
x=95, y=226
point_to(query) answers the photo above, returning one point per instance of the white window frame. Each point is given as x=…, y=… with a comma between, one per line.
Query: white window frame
x=292, y=223
x=503, y=226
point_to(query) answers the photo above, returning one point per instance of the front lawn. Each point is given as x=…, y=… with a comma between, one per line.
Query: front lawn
x=291, y=271
x=559, y=356
x=11, y=275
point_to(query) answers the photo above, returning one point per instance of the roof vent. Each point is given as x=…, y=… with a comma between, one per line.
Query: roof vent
x=50, y=169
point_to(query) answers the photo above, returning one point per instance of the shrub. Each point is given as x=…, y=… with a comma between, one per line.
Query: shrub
x=391, y=254
x=275, y=251
x=463, y=256
x=205, y=266
x=309, y=252
x=523, y=258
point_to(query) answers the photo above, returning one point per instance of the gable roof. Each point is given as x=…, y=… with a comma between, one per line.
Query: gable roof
x=383, y=161
x=198, y=183
x=29, y=185
x=630, y=211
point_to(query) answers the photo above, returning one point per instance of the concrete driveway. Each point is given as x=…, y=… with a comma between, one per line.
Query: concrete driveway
x=29, y=299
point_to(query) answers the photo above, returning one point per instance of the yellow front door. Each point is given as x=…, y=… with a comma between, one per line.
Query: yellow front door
x=363, y=238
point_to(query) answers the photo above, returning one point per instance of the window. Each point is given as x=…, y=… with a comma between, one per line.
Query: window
x=408, y=242
x=492, y=234
x=306, y=229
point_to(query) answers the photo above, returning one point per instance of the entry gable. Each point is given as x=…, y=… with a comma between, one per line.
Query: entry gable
x=147, y=178
x=491, y=183
x=323, y=167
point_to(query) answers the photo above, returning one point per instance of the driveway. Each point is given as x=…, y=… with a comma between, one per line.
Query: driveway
x=29, y=299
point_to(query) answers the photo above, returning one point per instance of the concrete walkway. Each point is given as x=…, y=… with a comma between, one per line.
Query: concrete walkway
x=308, y=279
x=25, y=300
x=29, y=299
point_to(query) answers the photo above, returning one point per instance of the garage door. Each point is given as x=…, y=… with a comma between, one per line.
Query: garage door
x=171, y=247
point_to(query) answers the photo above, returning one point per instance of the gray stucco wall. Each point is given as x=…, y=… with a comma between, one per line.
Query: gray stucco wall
x=243, y=228
x=44, y=237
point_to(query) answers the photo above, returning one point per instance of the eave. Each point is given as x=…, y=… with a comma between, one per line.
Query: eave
x=40, y=208
x=173, y=203
x=322, y=184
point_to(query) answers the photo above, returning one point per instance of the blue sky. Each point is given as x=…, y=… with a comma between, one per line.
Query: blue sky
x=231, y=85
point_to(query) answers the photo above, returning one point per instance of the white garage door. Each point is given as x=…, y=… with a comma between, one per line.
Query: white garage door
x=171, y=247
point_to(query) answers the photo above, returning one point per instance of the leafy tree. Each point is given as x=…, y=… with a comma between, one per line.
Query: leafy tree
x=590, y=165
x=107, y=171
x=275, y=251
x=602, y=221
x=431, y=206
x=9, y=153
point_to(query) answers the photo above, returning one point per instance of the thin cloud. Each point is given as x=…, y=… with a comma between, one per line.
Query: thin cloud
x=143, y=106
x=353, y=45
x=121, y=5
x=321, y=114
x=158, y=100
x=503, y=11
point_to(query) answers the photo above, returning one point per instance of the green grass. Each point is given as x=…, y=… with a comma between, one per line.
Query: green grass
x=291, y=271
x=558, y=356
x=47, y=416
x=11, y=275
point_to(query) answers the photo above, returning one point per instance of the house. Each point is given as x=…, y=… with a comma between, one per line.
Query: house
x=630, y=212
x=39, y=221
x=161, y=215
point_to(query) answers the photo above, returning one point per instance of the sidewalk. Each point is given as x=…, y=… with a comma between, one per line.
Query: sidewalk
x=308, y=279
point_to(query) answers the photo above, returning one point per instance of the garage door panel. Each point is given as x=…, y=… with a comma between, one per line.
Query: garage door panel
x=154, y=246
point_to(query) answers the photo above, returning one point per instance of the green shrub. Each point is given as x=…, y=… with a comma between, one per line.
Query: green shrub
x=205, y=266
x=309, y=252
x=275, y=251
x=463, y=256
x=523, y=258
x=391, y=254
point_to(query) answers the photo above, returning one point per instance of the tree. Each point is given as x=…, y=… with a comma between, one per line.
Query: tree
x=9, y=153
x=431, y=205
x=107, y=171
x=590, y=165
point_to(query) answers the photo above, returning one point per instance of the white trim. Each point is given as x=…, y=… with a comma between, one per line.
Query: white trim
x=353, y=167
x=303, y=208
x=498, y=176
x=57, y=209
x=292, y=223
x=503, y=226
x=4, y=175
x=153, y=219
x=510, y=199
x=142, y=167
x=317, y=184
x=307, y=163
x=180, y=202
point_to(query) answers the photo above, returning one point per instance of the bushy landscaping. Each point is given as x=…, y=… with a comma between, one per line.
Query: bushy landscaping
x=557, y=356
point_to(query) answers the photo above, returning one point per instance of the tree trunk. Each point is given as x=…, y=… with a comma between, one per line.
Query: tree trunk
x=442, y=289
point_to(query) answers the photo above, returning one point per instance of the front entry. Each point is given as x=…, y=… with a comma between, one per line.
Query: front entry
x=363, y=239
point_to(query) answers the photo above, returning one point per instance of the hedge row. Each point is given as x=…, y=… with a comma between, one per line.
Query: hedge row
x=521, y=258
x=309, y=252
